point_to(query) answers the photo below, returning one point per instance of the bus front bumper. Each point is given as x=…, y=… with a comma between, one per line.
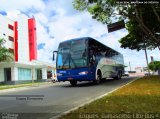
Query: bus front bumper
x=75, y=77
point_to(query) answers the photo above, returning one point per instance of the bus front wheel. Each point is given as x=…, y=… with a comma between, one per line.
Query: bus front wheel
x=73, y=83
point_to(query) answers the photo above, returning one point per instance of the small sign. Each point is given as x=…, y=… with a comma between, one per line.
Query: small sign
x=116, y=26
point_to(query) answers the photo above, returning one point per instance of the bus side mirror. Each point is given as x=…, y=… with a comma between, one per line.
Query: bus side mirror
x=54, y=55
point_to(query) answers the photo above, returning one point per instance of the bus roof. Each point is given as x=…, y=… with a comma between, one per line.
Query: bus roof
x=90, y=38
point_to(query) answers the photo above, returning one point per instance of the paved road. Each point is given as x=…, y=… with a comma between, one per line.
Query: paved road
x=53, y=100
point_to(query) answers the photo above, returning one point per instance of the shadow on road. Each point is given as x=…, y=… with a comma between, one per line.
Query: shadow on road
x=89, y=83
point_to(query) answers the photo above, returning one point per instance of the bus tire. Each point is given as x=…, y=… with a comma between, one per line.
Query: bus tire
x=73, y=83
x=119, y=75
x=98, y=78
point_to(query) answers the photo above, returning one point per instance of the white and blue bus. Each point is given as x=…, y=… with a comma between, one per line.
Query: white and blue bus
x=86, y=59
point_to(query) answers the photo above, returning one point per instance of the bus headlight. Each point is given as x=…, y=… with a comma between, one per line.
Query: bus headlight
x=83, y=73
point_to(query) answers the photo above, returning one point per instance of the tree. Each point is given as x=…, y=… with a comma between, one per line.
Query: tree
x=154, y=66
x=5, y=54
x=142, y=20
x=135, y=39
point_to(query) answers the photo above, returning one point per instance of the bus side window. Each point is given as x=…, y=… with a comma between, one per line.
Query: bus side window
x=84, y=54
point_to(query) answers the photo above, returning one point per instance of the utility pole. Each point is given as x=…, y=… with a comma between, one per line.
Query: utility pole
x=32, y=75
x=130, y=65
x=146, y=56
x=152, y=61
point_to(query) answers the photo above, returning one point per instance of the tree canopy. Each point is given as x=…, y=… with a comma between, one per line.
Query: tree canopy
x=137, y=39
x=5, y=54
x=142, y=20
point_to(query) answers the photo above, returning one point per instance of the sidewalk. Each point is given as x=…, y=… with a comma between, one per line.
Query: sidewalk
x=28, y=87
x=136, y=74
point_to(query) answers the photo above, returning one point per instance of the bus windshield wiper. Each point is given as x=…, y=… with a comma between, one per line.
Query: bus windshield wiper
x=65, y=61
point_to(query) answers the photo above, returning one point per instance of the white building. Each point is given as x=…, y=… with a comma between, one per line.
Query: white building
x=139, y=69
x=20, y=37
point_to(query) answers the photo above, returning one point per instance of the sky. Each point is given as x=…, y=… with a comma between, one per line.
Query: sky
x=57, y=21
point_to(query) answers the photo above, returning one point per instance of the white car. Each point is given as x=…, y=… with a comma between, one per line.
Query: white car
x=126, y=74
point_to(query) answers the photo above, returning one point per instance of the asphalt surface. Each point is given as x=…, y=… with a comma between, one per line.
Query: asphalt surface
x=52, y=100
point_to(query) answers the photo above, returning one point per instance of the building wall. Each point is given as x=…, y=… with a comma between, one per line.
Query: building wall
x=32, y=39
x=34, y=74
x=16, y=41
x=6, y=32
x=23, y=43
x=1, y=75
x=14, y=73
x=139, y=69
x=24, y=46
x=24, y=72
x=44, y=73
x=20, y=37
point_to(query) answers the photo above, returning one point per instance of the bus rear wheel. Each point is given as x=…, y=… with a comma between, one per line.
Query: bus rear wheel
x=73, y=83
x=119, y=75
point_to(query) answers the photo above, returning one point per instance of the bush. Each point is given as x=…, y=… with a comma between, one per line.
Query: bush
x=154, y=66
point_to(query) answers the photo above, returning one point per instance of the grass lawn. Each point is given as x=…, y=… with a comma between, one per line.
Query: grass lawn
x=141, y=96
x=3, y=86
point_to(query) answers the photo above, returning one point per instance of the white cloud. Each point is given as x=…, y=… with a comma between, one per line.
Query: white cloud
x=22, y=5
x=61, y=7
x=41, y=18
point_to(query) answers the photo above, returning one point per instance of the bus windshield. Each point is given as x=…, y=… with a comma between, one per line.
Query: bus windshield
x=72, y=54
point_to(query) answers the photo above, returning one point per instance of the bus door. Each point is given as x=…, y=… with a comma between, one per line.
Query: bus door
x=92, y=64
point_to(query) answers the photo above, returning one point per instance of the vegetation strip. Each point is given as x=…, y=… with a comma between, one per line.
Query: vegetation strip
x=140, y=97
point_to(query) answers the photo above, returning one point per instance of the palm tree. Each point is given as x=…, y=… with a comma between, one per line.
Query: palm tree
x=5, y=54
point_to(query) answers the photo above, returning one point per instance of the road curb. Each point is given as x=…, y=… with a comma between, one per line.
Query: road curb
x=26, y=87
x=66, y=112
